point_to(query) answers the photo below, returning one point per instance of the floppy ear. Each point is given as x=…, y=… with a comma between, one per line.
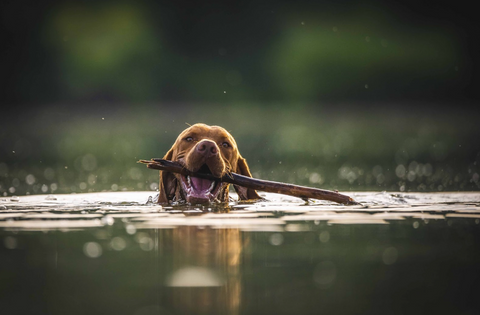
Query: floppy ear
x=244, y=193
x=168, y=182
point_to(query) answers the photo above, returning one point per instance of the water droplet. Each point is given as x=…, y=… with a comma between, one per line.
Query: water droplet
x=92, y=250
x=315, y=178
x=92, y=179
x=146, y=243
x=150, y=200
x=154, y=186
x=118, y=243
x=276, y=239
x=53, y=187
x=108, y=220
x=30, y=179
x=411, y=176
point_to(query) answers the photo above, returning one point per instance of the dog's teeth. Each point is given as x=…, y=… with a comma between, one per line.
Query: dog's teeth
x=189, y=181
x=212, y=185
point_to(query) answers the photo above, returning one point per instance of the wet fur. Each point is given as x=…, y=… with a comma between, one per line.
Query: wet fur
x=228, y=160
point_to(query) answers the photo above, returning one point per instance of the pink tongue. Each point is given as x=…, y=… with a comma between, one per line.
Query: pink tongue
x=200, y=184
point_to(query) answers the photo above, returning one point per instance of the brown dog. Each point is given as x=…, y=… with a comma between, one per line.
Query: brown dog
x=208, y=149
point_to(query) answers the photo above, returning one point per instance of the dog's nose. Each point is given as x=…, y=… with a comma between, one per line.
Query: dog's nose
x=207, y=148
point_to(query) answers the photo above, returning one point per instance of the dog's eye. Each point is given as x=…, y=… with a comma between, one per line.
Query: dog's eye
x=189, y=139
x=225, y=144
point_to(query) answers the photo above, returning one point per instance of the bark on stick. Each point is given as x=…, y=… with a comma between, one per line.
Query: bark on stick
x=253, y=183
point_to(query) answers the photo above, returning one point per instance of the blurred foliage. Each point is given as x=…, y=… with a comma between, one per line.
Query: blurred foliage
x=146, y=51
x=360, y=55
x=106, y=48
x=340, y=95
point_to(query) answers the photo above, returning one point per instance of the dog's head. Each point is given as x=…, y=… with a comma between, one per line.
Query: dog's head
x=208, y=149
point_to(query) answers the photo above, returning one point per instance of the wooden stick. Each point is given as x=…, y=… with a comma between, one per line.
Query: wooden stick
x=253, y=183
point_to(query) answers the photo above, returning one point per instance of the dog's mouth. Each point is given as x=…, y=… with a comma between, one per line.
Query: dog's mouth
x=200, y=190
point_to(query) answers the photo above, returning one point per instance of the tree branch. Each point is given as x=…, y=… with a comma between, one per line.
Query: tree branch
x=253, y=183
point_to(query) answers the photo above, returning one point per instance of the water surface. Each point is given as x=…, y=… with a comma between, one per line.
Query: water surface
x=103, y=253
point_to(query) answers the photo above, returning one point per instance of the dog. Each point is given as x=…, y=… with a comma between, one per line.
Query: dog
x=205, y=149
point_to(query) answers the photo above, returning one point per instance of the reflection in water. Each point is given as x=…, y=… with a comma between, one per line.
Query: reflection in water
x=81, y=254
x=207, y=278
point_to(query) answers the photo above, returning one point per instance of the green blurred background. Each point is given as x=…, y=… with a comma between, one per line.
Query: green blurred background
x=348, y=95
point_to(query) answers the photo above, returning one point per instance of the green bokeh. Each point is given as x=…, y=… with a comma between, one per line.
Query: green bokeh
x=394, y=150
x=130, y=52
x=340, y=97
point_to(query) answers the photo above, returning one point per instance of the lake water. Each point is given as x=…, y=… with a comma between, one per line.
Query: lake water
x=116, y=253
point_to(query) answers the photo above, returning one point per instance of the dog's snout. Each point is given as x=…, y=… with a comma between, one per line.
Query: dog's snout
x=207, y=148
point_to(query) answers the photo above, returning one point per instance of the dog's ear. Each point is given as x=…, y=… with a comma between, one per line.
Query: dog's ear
x=168, y=182
x=244, y=193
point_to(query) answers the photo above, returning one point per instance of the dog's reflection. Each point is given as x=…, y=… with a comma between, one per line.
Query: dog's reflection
x=207, y=274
